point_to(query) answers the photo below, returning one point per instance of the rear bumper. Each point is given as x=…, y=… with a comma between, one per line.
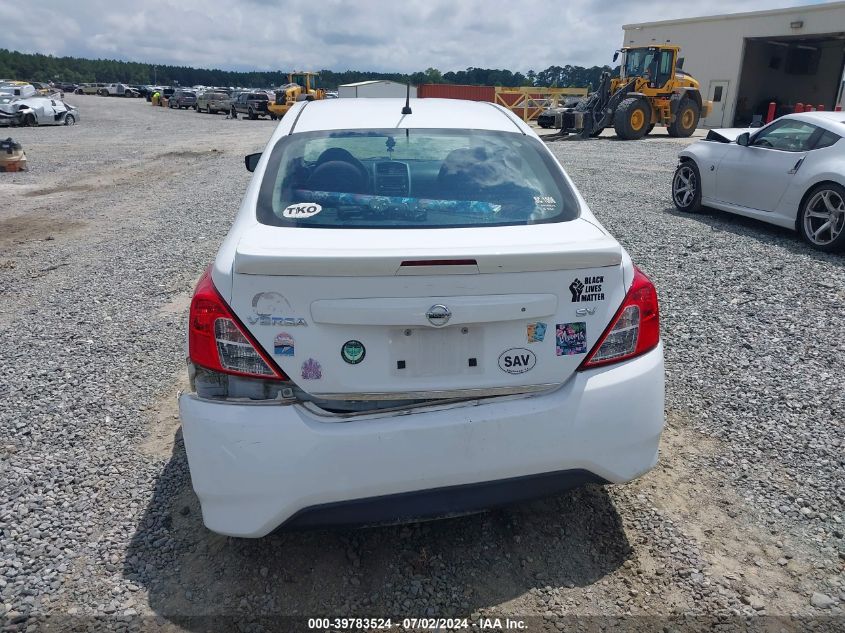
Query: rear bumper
x=255, y=467
x=440, y=502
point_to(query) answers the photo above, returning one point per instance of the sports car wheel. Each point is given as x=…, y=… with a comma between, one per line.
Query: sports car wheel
x=822, y=219
x=686, y=187
x=29, y=120
x=70, y=119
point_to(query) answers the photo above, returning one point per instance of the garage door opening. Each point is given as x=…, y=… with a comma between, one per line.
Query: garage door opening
x=789, y=70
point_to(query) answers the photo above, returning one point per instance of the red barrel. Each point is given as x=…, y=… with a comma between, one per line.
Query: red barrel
x=770, y=115
x=799, y=107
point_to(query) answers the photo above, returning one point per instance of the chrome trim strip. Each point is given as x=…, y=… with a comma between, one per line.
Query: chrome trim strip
x=438, y=395
x=473, y=397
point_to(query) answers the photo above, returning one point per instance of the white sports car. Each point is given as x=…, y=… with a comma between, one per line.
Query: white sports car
x=790, y=173
x=414, y=315
x=29, y=111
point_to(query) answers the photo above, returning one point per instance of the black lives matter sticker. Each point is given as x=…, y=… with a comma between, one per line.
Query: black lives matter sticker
x=586, y=289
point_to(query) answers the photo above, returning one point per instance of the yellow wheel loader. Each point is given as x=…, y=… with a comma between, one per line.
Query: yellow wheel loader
x=301, y=86
x=649, y=91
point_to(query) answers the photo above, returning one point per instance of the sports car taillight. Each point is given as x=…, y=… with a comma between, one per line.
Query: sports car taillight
x=217, y=340
x=634, y=329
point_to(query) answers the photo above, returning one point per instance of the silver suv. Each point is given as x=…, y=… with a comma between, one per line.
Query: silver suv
x=213, y=101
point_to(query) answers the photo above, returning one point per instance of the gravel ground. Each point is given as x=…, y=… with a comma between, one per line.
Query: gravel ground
x=100, y=245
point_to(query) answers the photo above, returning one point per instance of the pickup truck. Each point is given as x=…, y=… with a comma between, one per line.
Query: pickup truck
x=117, y=90
x=90, y=89
x=253, y=104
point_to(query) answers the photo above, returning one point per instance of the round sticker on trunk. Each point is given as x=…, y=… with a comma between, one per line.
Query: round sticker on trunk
x=353, y=352
x=517, y=360
x=301, y=210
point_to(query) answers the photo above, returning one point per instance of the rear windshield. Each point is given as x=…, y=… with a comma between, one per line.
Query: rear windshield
x=414, y=178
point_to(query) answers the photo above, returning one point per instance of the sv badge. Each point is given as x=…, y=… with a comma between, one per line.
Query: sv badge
x=585, y=311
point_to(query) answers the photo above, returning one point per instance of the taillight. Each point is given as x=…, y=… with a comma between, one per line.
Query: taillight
x=217, y=340
x=635, y=328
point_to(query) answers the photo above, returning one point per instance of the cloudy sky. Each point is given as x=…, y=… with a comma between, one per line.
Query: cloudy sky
x=404, y=35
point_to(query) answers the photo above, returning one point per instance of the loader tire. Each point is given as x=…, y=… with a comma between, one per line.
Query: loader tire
x=686, y=119
x=632, y=118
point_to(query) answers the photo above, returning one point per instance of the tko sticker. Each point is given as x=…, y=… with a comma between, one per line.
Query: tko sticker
x=587, y=289
x=353, y=352
x=311, y=370
x=517, y=360
x=283, y=345
x=301, y=211
x=536, y=332
x=571, y=338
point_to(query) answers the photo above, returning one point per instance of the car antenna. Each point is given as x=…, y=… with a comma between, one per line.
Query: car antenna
x=407, y=108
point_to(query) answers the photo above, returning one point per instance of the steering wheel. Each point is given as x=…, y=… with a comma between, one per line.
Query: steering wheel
x=762, y=143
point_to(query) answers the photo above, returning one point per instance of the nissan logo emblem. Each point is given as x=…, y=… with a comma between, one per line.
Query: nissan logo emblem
x=438, y=315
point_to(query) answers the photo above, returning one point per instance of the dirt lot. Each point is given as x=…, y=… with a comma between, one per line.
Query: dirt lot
x=100, y=245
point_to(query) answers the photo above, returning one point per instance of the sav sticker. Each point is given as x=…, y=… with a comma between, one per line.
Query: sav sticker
x=311, y=370
x=283, y=345
x=517, y=360
x=301, y=210
x=536, y=332
x=571, y=338
x=353, y=352
x=590, y=289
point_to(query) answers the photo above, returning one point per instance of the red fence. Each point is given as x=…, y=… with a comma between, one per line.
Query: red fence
x=455, y=91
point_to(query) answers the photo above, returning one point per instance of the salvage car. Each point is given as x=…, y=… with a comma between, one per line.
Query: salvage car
x=31, y=111
x=414, y=314
x=117, y=90
x=18, y=89
x=91, y=89
x=213, y=101
x=254, y=104
x=182, y=99
x=790, y=173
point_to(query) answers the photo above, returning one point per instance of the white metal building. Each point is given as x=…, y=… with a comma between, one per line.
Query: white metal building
x=746, y=60
x=375, y=88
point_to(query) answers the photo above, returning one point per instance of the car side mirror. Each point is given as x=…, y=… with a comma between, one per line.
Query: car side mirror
x=251, y=161
x=743, y=139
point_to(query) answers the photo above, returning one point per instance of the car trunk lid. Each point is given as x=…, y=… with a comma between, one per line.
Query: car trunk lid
x=380, y=314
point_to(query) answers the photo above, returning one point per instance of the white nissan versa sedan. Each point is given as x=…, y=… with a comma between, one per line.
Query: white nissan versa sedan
x=414, y=315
